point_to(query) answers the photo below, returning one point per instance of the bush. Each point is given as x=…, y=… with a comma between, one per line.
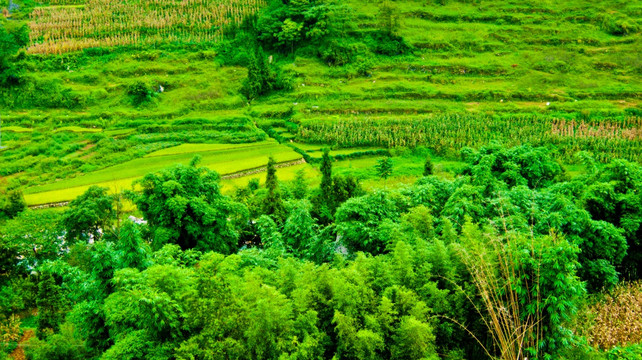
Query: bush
x=11, y=204
x=63, y=346
x=262, y=77
x=618, y=25
x=140, y=93
x=388, y=44
x=341, y=52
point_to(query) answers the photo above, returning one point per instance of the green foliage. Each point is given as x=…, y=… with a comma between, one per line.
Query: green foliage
x=89, y=216
x=262, y=77
x=140, y=93
x=384, y=167
x=389, y=17
x=184, y=205
x=299, y=230
x=362, y=221
x=63, y=346
x=273, y=204
x=270, y=236
x=429, y=168
x=285, y=25
x=11, y=204
x=32, y=236
x=135, y=252
x=50, y=306
x=300, y=185
x=11, y=39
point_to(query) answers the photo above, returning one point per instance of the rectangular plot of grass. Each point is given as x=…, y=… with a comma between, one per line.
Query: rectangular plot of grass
x=200, y=148
x=16, y=129
x=78, y=129
x=120, y=132
x=67, y=194
x=225, y=161
x=283, y=174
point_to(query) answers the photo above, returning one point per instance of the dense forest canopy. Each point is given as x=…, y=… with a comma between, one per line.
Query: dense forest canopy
x=320, y=179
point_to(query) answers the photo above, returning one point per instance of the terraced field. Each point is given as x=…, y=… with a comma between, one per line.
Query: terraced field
x=76, y=25
x=561, y=74
x=224, y=158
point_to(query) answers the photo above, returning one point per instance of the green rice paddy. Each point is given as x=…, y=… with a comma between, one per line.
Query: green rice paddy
x=223, y=158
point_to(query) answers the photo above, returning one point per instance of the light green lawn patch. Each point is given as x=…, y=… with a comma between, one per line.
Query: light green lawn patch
x=308, y=147
x=78, y=129
x=312, y=174
x=225, y=161
x=202, y=148
x=70, y=193
x=16, y=129
x=120, y=132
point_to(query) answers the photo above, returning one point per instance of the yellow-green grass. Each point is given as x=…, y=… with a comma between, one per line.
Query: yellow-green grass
x=228, y=186
x=225, y=161
x=120, y=132
x=203, y=148
x=309, y=147
x=16, y=129
x=78, y=129
x=316, y=150
x=67, y=194
x=311, y=173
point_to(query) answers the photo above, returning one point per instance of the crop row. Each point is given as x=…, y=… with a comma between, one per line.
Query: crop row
x=448, y=134
x=117, y=22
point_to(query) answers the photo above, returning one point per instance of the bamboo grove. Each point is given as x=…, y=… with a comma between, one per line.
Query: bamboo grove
x=448, y=133
x=59, y=29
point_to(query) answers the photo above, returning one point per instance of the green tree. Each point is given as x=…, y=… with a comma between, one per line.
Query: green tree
x=89, y=215
x=290, y=33
x=63, y=346
x=252, y=85
x=344, y=188
x=428, y=167
x=528, y=286
x=184, y=205
x=326, y=174
x=389, y=17
x=384, y=167
x=413, y=339
x=134, y=252
x=299, y=230
x=284, y=25
x=273, y=203
x=419, y=221
x=12, y=203
x=140, y=93
x=262, y=77
x=35, y=236
x=323, y=204
x=50, y=306
x=270, y=236
x=11, y=40
x=359, y=221
x=300, y=186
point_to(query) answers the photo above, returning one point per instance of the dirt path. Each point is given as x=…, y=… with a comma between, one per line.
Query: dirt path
x=19, y=353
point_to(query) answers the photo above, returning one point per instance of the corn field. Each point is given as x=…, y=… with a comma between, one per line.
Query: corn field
x=448, y=134
x=617, y=318
x=103, y=23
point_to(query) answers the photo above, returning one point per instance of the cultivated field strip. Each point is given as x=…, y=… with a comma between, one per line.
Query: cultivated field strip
x=104, y=23
x=229, y=160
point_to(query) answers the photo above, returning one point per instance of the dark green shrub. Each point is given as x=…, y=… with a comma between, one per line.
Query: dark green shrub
x=140, y=93
x=389, y=44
